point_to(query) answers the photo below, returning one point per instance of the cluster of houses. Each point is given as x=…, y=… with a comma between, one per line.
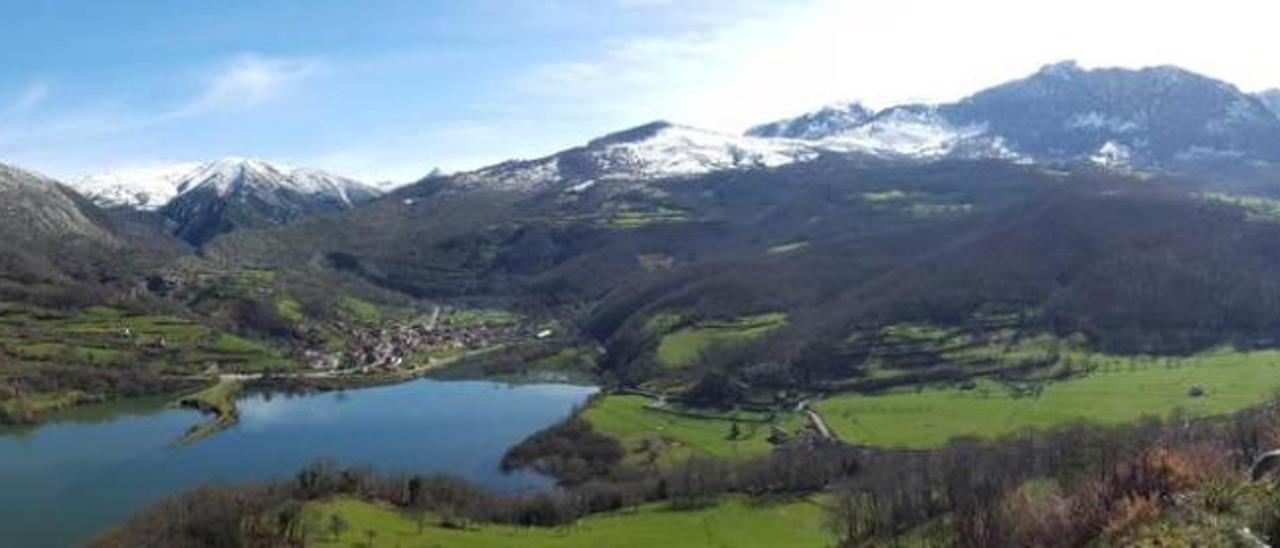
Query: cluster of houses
x=388, y=348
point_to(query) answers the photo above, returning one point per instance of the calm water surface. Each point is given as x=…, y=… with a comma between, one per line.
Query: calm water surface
x=62, y=482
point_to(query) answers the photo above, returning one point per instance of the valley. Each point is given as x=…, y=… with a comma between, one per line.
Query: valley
x=850, y=327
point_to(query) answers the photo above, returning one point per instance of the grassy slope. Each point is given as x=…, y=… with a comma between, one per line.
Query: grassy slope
x=107, y=339
x=682, y=347
x=627, y=419
x=735, y=522
x=1119, y=392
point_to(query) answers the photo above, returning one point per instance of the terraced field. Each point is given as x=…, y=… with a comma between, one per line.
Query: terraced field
x=105, y=343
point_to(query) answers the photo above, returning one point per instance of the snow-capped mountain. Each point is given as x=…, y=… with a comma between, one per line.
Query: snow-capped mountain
x=829, y=120
x=240, y=192
x=150, y=188
x=241, y=176
x=139, y=188
x=1159, y=117
x=658, y=150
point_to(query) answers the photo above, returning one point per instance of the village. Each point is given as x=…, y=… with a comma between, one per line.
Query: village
x=440, y=337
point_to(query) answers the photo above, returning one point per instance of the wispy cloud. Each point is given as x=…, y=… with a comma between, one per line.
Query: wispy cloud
x=241, y=83
x=30, y=97
x=237, y=84
x=249, y=81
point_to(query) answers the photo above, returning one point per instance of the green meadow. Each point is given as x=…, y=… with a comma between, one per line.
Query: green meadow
x=682, y=347
x=1116, y=390
x=735, y=522
x=673, y=434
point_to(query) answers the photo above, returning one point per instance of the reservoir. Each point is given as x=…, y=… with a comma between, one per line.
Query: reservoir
x=64, y=481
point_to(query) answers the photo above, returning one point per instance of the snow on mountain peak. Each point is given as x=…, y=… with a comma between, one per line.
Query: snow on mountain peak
x=142, y=188
x=658, y=150
x=1113, y=155
x=672, y=150
x=828, y=120
x=153, y=187
x=913, y=130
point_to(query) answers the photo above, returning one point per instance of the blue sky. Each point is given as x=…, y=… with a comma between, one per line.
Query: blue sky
x=388, y=89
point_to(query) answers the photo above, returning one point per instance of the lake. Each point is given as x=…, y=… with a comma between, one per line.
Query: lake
x=62, y=482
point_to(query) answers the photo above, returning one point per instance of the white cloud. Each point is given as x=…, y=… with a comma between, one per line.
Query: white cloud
x=249, y=81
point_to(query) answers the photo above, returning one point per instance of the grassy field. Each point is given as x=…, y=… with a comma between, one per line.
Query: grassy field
x=670, y=436
x=733, y=523
x=682, y=347
x=1117, y=390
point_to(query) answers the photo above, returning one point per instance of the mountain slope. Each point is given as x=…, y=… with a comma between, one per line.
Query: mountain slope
x=238, y=193
x=52, y=240
x=36, y=208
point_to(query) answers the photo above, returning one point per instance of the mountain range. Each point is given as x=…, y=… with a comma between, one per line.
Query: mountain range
x=1159, y=118
x=523, y=223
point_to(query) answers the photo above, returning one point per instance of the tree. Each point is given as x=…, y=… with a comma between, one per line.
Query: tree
x=851, y=516
x=337, y=526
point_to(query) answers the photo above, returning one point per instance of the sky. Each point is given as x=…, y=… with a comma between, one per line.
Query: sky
x=387, y=90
